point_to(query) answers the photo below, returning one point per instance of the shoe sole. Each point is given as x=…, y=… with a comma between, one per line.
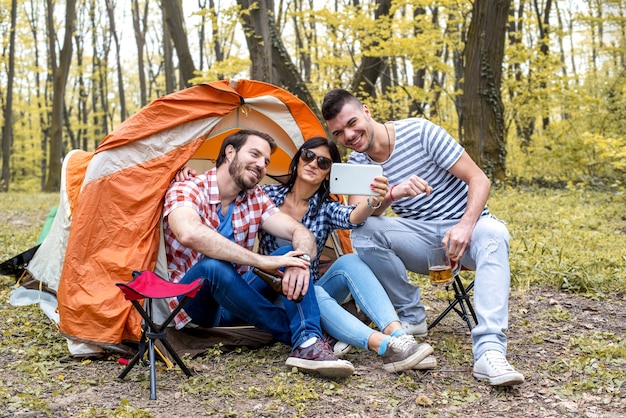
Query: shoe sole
x=428, y=363
x=504, y=380
x=424, y=351
x=333, y=369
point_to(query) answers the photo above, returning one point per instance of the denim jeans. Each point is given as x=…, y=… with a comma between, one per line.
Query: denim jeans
x=228, y=298
x=350, y=275
x=391, y=246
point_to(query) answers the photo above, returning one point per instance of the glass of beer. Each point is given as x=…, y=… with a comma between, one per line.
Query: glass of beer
x=439, y=267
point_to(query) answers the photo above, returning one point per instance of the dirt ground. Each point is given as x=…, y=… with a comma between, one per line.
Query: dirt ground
x=571, y=349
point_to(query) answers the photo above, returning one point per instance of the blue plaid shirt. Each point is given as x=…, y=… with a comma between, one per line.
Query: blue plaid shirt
x=330, y=216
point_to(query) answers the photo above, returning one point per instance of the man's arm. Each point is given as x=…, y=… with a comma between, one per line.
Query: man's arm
x=192, y=233
x=284, y=226
x=459, y=236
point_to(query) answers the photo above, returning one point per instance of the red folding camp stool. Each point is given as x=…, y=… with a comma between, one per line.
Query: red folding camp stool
x=461, y=297
x=148, y=286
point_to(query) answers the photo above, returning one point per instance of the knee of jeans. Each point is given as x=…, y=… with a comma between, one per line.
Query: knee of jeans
x=346, y=260
x=367, y=237
x=214, y=271
x=321, y=295
x=496, y=229
x=496, y=245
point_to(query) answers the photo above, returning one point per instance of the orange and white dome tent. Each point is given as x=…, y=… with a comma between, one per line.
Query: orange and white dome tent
x=108, y=223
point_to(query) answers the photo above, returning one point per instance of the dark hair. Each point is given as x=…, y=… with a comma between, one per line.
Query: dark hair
x=317, y=141
x=238, y=139
x=334, y=101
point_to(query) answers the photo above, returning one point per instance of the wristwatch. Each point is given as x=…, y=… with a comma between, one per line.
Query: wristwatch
x=305, y=257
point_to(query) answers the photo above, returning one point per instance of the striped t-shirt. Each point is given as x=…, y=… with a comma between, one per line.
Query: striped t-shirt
x=427, y=151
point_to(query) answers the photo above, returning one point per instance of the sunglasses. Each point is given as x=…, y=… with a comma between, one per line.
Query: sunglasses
x=322, y=162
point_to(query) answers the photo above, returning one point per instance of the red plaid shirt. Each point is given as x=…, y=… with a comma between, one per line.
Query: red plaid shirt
x=252, y=208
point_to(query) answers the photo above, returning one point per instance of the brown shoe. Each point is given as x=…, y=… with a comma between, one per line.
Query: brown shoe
x=318, y=358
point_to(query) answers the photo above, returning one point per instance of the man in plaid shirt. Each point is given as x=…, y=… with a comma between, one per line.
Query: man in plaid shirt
x=211, y=222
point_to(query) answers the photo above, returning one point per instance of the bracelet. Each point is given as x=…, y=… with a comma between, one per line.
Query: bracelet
x=373, y=207
x=391, y=193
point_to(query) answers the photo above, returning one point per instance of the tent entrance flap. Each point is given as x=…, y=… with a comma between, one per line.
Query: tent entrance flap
x=247, y=117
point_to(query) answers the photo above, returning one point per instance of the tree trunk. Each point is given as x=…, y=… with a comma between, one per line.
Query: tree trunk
x=371, y=67
x=110, y=6
x=217, y=48
x=7, y=129
x=168, y=58
x=270, y=60
x=140, y=26
x=83, y=108
x=459, y=70
x=524, y=123
x=543, y=20
x=99, y=61
x=483, y=113
x=42, y=98
x=59, y=74
x=173, y=13
x=257, y=24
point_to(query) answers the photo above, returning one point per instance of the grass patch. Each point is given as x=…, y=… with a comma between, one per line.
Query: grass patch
x=595, y=363
x=574, y=240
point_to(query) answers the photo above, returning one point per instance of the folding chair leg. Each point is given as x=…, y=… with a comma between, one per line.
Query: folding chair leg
x=175, y=356
x=152, y=370
x=463, y=300
x=137, y=357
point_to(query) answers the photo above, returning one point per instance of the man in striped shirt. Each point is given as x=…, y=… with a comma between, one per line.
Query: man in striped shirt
x=439, y=195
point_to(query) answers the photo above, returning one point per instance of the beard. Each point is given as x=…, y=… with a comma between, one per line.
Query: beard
x=238, y=172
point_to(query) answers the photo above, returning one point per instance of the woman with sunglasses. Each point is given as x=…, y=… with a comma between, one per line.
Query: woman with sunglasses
x=306, y=197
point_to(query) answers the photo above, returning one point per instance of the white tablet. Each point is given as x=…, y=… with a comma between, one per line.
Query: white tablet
x=353, y=179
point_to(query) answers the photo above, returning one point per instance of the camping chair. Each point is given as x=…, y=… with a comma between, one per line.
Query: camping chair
x=147, y=285
x=461, y=297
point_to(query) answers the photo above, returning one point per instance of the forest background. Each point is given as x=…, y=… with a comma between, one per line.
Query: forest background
x=534, y=89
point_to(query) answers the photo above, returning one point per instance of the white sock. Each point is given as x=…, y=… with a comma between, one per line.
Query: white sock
x=308, y=342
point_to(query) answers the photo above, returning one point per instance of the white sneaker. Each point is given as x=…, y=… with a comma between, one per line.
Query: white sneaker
x=493, y=367
x=417, y=330
x=340, y=348
x=428, y=363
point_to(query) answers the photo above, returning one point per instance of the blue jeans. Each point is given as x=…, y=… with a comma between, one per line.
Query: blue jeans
x=391, y=246
x=350, y=275
x=228, y=298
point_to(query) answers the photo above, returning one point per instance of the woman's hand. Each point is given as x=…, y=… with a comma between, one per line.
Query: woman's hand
x=185, y=173
x=380, y=186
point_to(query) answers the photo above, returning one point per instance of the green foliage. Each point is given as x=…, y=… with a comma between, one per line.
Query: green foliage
x=23, y=215
x=573, y=239
x=577, y=83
